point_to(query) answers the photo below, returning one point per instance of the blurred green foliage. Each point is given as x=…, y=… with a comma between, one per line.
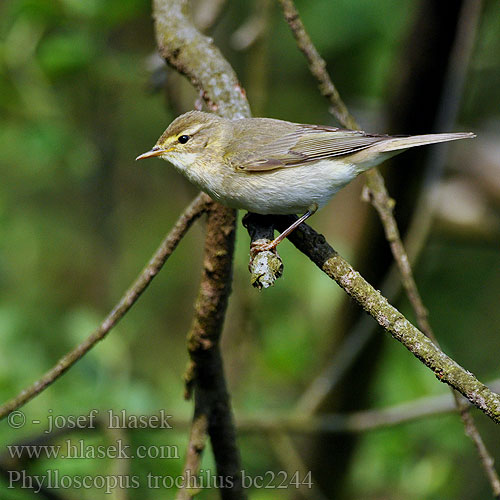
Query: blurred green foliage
x=78, y=220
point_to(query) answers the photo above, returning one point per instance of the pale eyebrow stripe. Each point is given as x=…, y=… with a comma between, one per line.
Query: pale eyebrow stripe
x=191, y=131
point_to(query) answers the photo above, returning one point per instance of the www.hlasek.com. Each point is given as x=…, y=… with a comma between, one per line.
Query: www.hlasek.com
x=80, y=450
x=53, y=480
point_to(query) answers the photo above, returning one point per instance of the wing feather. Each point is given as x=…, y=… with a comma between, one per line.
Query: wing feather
x=305, y=144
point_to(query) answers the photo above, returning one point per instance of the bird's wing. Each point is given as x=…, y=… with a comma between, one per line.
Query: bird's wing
x=306, y=144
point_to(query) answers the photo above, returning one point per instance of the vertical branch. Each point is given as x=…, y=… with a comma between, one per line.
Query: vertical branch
x=194, y=453
x=195, y=56
x=206, y=374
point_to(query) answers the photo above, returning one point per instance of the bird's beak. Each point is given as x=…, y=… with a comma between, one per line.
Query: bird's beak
x=156, y=151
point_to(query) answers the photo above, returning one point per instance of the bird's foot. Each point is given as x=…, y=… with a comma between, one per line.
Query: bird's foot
x=259, y=246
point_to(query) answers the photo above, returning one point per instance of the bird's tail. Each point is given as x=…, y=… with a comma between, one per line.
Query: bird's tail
x=397, y=143
x=391, y=146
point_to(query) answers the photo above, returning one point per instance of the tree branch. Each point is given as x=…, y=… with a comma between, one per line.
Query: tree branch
x=168, y=245
x=195, y=56
x=356, y=422
x=378, y=194
x=212, y=404
x=376, y=190
x=446, y=369
x=353, y=422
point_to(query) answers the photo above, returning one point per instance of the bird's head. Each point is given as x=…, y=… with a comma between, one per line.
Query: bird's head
x=188, y=136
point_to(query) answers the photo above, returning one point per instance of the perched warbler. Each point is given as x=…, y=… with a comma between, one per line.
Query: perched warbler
x=272, y=166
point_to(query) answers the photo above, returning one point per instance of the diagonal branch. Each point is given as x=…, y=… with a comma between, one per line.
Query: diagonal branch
x=378, y=194
x=317, y=65
x=168, y=245
x=446, y=369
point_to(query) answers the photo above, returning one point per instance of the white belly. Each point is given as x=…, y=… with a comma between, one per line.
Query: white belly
x=289, y=190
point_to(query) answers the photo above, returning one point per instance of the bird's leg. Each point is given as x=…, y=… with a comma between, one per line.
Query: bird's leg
x=271, y=246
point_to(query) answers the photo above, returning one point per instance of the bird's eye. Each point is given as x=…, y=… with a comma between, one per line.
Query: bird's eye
x=183, y=139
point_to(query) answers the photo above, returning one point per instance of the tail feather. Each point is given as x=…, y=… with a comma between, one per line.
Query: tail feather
x=396, y=143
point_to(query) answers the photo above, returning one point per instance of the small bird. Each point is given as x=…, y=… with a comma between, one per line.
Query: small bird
x=269, y=166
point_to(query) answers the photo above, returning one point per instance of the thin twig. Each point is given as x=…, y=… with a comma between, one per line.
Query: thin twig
x=253, y=28
x=196, y=447
x=471, y=430
x=317, y=65
x=331, y=374
x=384, y=205
x=378, y=195
x=168, y=245
x=392, y=235
x=195, y=56
x=465, y=36
x=375, y=183
x=376, y=186
x=354, y=422
x=207, y=12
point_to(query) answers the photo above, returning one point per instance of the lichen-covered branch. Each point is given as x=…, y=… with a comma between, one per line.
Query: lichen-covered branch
x=446, y=369
x=195, y=56
x=168, y=245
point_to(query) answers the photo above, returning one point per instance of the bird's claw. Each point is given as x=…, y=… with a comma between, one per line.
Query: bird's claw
x=259, y=246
